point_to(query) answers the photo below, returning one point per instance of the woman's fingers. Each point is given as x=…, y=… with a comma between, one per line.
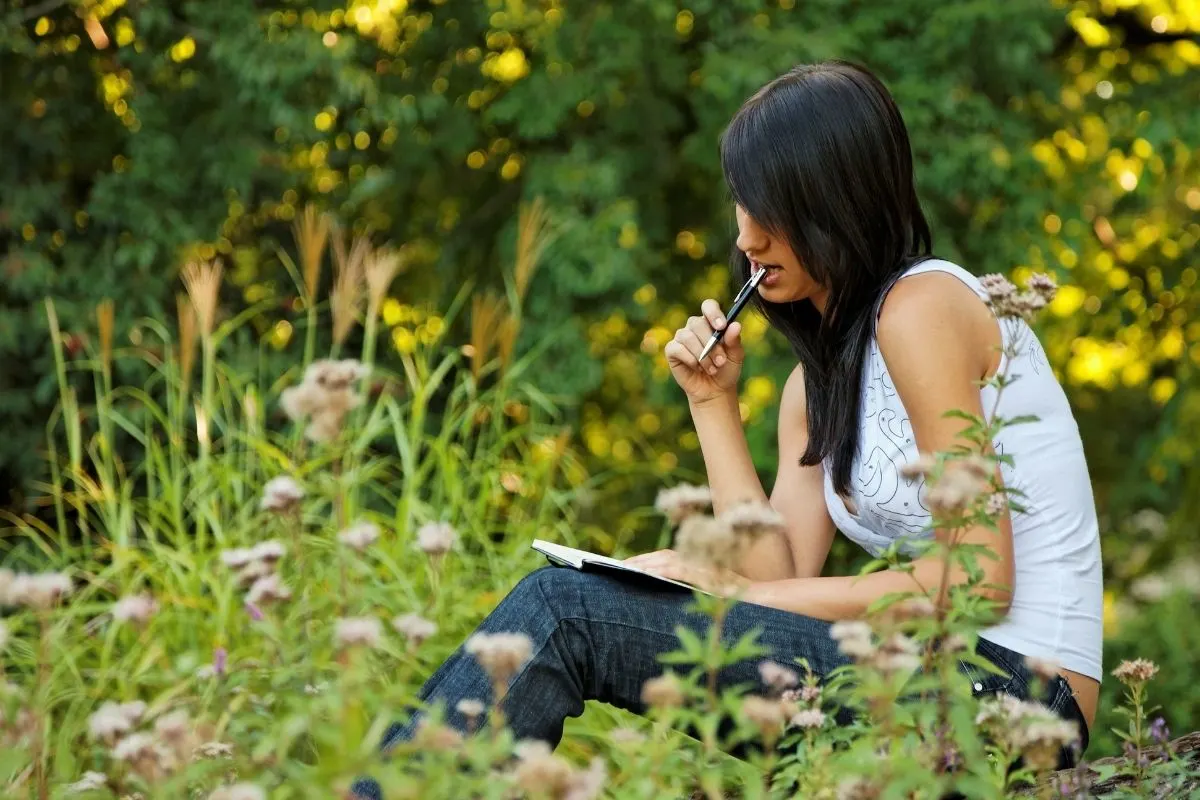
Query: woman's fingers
x=701, y=327
x=712, y=313
x=649, y=558
x=694, y=344
x=731, y=343
x=679, y=353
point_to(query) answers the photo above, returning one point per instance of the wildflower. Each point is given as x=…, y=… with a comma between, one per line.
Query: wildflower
x=910, y=608
x=337, y=376
x=777, y=677
x=810, y=694
x=324, y=427
x=959, y=486
x=90, y=782
x=589, y=783
x=268, y=589
x=1042, y=285
x=1000, y=709
x=212, y=750
x=436, y=538
x=239, y=791
x=998, y=287
x=809, y=718
x=1040, y=740
x=431, y=736
x=626, y=737
x=858, y=789
x=114, y=718
x=1006, y=301
x=136, y=608
x=665, y=691
x=135, y=746
x=353, y=631
x=768, y=715
x=1137, y=671
x=921, y=468
x=526, y=749
x=269, y=551
x=238, y=557
x=500, y=654
x=897, y=653
x=753, y=519
x=173, y=727
x=682, y=501
x=299, y=402
x=39, y=591
x=539, y=772
x=1044, y=668
x=853, y=638
x=327, y=393
x=360, y=535
x=253, y=571
x=1159, y=732
x=954, y=643
x=997, y=504
x=469, y=708
x=281, y=494
x=707, y=541
x=415, y=628
x=1028, y=728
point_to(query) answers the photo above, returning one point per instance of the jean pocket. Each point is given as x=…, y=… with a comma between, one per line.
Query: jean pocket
x=985, y=682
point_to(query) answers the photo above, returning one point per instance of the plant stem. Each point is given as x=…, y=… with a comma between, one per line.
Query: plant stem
x=39, y=732
x=1138, y=713
x=310, y=333
x=714, y=655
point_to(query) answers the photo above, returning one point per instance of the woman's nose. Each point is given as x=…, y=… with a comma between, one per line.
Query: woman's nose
x=751, y=241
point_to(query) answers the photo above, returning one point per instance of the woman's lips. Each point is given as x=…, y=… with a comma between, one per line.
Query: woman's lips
x=772, y=276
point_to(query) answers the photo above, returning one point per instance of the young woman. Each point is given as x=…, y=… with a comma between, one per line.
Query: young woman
x=888, y=340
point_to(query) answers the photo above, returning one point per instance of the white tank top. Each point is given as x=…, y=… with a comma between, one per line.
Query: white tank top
x=1057, y=604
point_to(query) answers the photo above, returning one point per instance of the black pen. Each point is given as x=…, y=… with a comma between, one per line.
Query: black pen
x=739, y=302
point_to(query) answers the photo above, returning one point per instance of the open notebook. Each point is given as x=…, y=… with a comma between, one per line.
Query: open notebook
x=583, y=560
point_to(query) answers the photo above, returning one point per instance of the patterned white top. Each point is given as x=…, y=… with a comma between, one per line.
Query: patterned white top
x=1057, y=605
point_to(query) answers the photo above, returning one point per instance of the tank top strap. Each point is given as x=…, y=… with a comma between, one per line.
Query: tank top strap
x=941, y=265
x=934, y=265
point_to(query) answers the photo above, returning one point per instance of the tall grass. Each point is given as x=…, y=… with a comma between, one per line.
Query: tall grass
x=288, y=682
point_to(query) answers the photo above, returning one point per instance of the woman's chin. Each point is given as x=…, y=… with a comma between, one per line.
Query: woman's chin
x=782, y=292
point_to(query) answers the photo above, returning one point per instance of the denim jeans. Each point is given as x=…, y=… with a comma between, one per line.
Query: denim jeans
x=598, y=636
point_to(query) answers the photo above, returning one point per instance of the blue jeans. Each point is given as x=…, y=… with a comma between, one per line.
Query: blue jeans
x=598, y=636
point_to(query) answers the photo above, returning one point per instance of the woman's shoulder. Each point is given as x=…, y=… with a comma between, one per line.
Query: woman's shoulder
x=937, y=313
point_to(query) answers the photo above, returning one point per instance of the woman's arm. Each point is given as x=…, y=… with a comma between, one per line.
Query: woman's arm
x=798, y=496
x=937, y=338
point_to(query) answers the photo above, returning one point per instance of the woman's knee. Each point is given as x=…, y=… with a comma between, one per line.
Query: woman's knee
x=560, y=591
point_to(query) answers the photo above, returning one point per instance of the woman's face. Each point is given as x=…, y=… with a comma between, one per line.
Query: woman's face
x=786, y=280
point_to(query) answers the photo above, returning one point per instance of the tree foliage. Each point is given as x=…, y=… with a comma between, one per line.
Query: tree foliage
x=1047, y=136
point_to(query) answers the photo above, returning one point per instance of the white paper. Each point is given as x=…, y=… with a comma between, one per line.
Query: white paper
x=581, y=559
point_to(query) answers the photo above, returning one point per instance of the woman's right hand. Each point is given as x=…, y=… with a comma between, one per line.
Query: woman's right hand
x=722, y=367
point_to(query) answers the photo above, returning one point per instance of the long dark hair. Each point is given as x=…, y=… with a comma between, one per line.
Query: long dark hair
x=820, y=157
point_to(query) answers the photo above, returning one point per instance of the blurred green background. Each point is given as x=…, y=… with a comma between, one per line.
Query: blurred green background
x=1050, y=136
